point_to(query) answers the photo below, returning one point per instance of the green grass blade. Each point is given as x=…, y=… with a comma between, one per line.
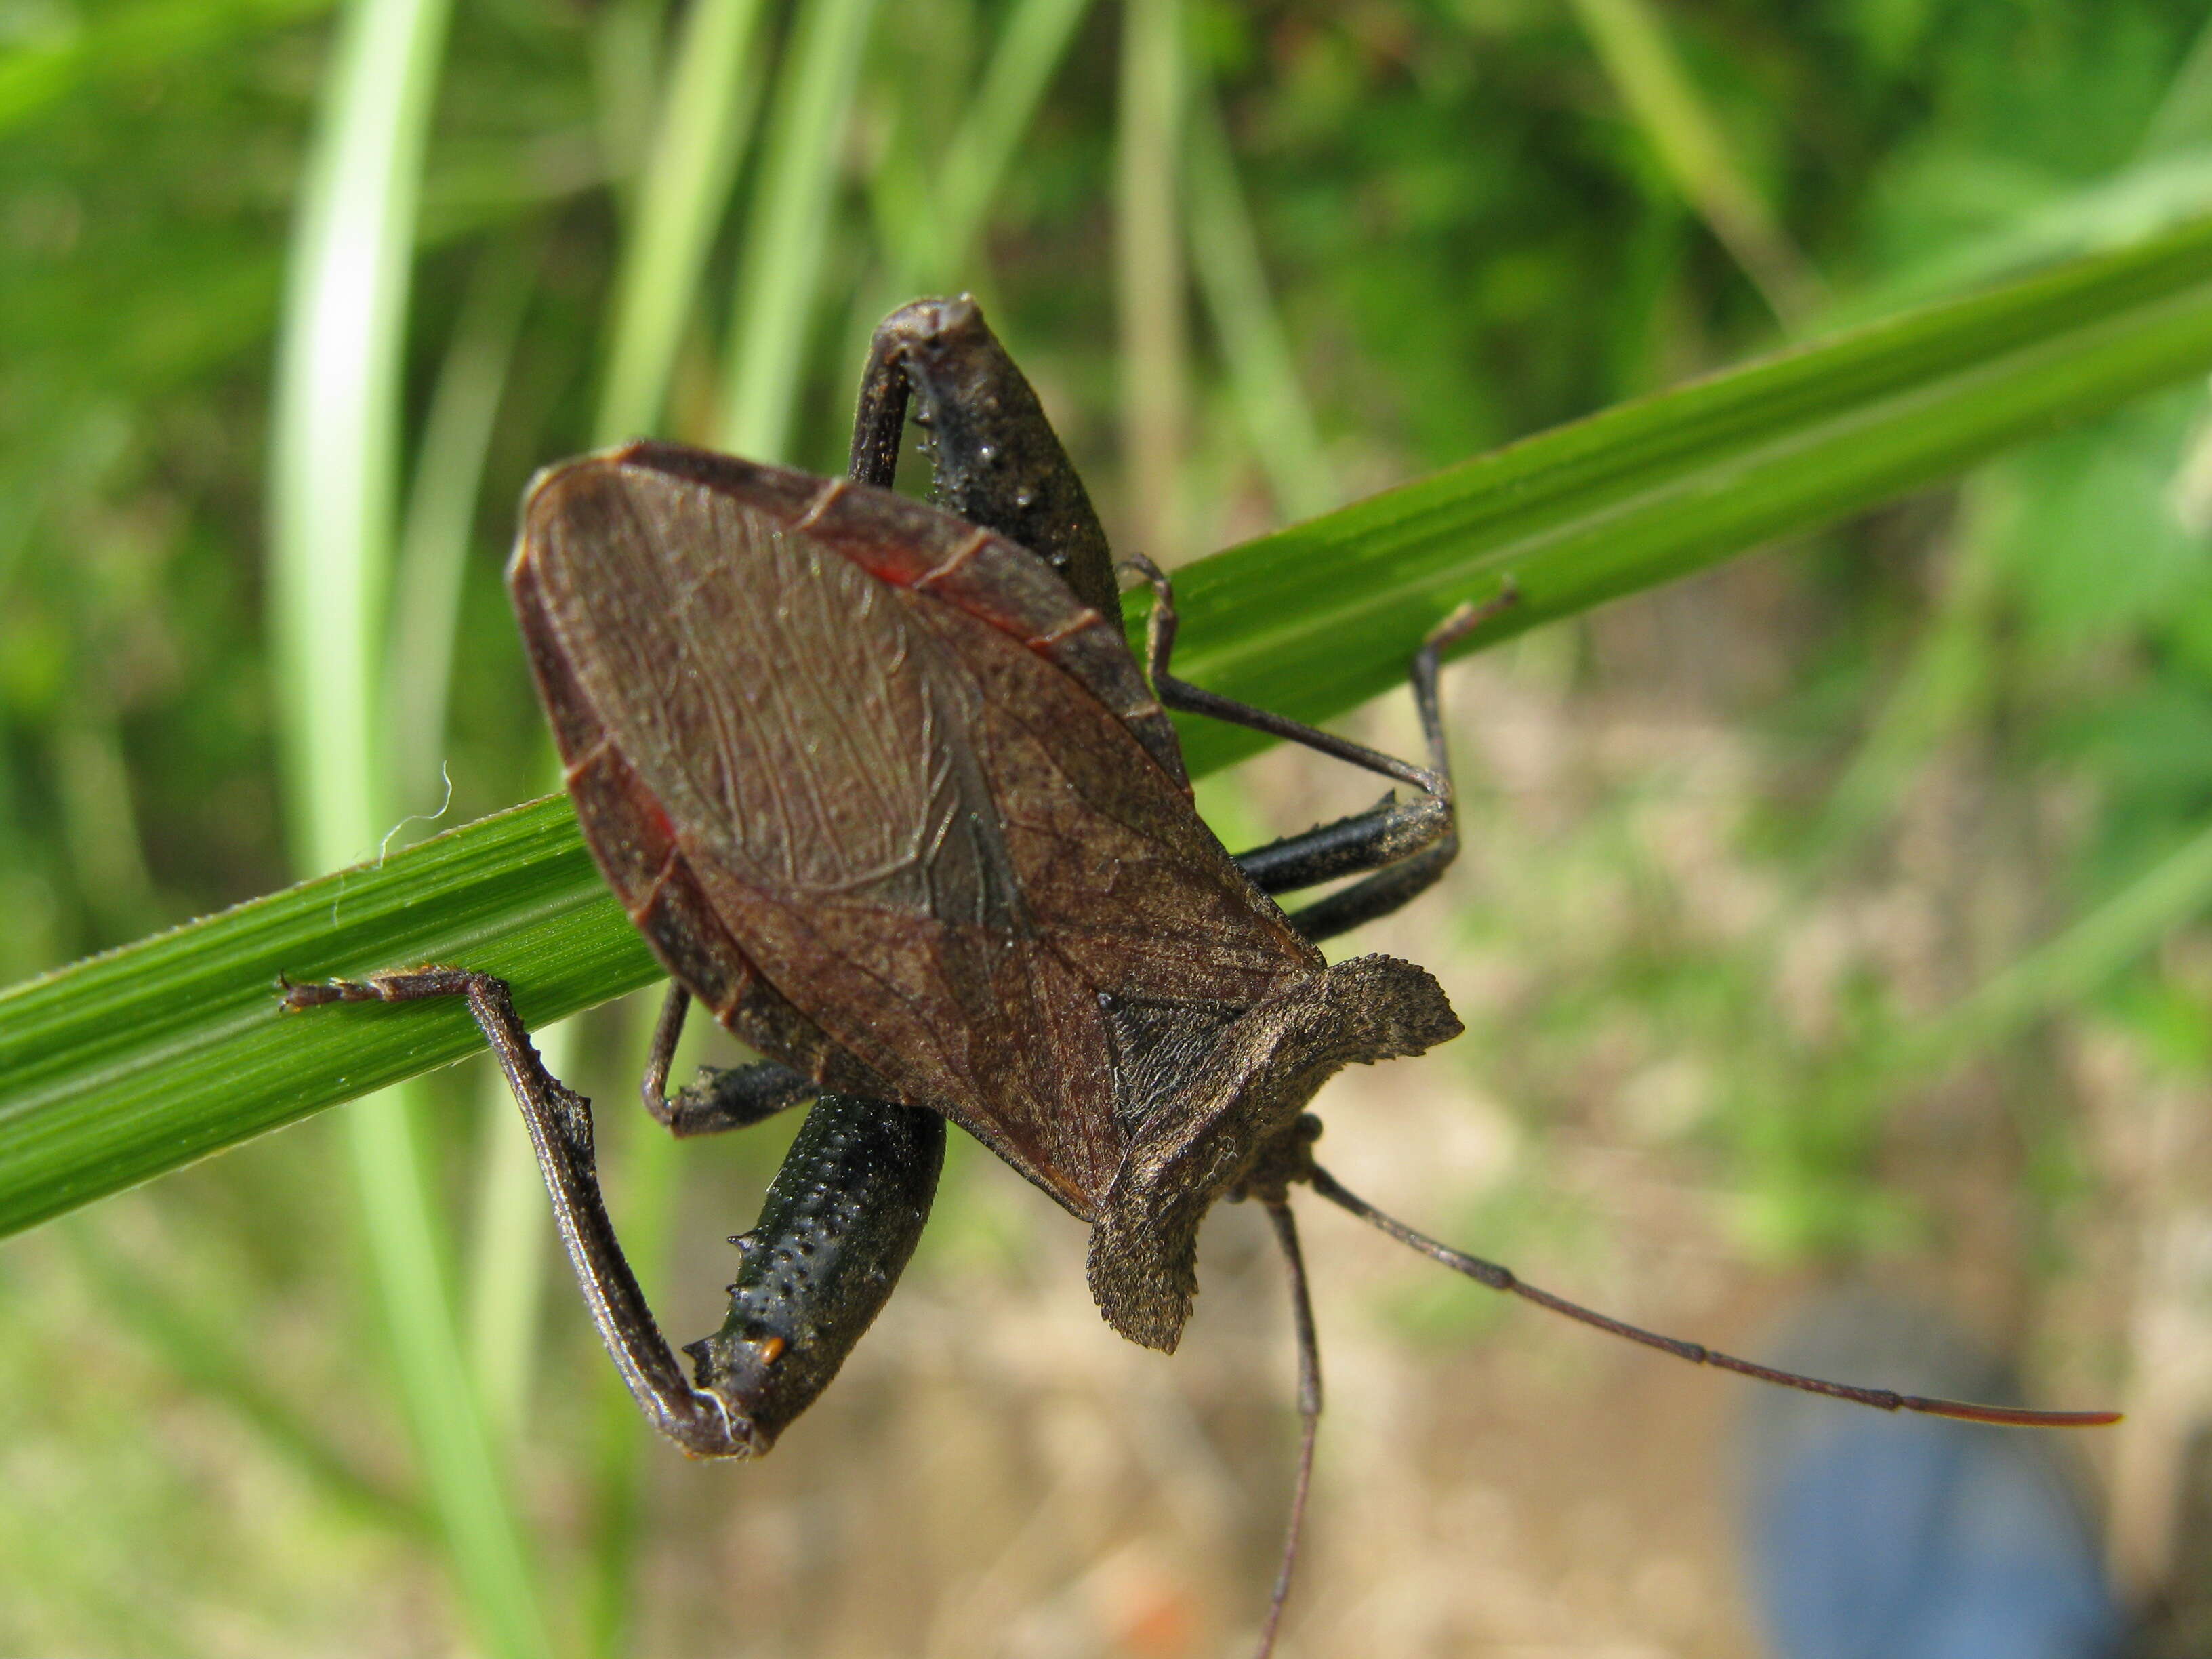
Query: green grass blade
x=686, y=175
x=1949, y=678
x=506, y=1259
x=928, y=218
x=1225, y=253
x=111, y=1065
x=1629, y=37
x=441, y=514
x=628, y=52
x=204, y=1353
x=690, y=169
x=1320, y=616
x=2184, y=117
x=334, y=437
x=115, y=1069
x=788, y=227
x=2064, y=969
x=335, y=429
x=1029, y=54
x=84, y=56
x=92, y=784
x=2125, y=208
x=487, y=1552
x=1148, y=275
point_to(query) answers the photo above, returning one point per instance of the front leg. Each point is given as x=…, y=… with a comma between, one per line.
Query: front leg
x=998, y=462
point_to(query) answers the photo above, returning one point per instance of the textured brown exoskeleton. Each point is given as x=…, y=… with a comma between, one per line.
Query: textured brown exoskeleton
x=883, y=786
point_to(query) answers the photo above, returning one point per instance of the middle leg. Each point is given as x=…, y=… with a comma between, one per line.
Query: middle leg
x=722, y=1097
x=1401, y=846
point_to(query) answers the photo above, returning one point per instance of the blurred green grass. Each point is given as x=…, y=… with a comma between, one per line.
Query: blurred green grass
x=1354, y=245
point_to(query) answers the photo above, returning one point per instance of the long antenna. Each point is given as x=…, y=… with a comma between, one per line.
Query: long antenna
x=1500, y=1278
x=1286, y=1234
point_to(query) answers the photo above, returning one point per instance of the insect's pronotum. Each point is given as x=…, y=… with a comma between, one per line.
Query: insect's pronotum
x=883, y=786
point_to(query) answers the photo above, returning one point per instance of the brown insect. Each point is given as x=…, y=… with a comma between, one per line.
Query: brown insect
x=883, y=786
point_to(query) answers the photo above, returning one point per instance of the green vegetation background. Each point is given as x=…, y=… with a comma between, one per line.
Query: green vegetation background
x=1260, y=259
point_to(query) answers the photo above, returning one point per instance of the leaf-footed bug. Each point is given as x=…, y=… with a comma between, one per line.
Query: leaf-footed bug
x=883, y=785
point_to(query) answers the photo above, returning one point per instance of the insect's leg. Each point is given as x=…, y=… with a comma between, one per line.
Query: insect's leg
x=1286, y=1236
x=1500, y=1278
x=998, y=462
x=721, y=1097
x=836, y=1230
x=840, y=1220
x=704, y=1423
x=1159, y=654
x=1405, y=845
x=879, y=419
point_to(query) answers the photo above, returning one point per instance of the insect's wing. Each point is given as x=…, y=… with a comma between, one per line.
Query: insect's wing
x=908, y=544
x=851, y=721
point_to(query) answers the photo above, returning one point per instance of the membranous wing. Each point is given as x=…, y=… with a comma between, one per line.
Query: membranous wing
x=918, y=783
